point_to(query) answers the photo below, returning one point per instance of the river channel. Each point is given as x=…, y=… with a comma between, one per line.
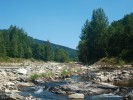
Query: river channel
x=42, y=92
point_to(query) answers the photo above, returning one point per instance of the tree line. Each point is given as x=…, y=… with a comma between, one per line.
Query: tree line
x=100, y=39
x=15, y=43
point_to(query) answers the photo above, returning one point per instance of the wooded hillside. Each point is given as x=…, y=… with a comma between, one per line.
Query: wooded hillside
x=15, y=43
x=100, y=39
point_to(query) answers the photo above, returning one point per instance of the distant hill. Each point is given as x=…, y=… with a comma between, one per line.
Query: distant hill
x=72, y=52
x=15, y=43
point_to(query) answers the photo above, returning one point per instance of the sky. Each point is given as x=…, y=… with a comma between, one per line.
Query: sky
x=59, y=21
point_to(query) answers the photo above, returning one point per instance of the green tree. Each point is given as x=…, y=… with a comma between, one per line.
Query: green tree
x=21, y=51
x=99, y=26
x=120, y=40
x=93, y=42
x=48, y=52
x=28, y=53
x=61, y=55
x=2, y=46
x=14, y=41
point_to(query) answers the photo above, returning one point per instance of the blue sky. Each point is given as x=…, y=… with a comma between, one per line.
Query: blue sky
x=59, y=21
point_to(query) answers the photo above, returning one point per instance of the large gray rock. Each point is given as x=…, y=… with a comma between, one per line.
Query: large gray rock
x=129, y=96
x=15, y=96
x=3, y=72
x=106, y=86
x=76, y=96
x=125, y=71
x=103, y=78
x=10, y=96
x=22, y=71
x=22, y=84
x=23, y=79
x=7, y=91
x=9, y=84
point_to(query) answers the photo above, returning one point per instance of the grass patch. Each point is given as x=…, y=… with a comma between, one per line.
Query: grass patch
x=121, y=62
x=34, y=76
x=112, y=61
x=8, y=59
x=16, y=60
x=47, y=75
x=42, y=75
x=65, y=73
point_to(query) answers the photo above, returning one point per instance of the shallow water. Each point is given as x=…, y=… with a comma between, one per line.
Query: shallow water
x=46, y=95
x=43, y=95
x=124, y=83
x=105, y=97
x=42, y=91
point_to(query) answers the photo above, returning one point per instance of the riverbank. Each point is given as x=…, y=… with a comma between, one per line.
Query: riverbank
x=16, y=76
x=101, y=79
x=94, y=80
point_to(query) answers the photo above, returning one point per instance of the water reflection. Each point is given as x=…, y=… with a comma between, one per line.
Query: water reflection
x=105, y=97
x=124, y=83
x=75, y=99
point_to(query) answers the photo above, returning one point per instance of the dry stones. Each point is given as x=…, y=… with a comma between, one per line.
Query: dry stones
x=22, y=71
x=76, y=96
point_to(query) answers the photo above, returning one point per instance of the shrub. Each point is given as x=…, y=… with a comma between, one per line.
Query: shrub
x=65, y=73
x=34, y=76
x=121, y=62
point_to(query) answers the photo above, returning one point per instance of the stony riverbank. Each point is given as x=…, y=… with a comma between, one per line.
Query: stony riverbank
x=97, y=79
x=16, y=76
x=101, y=80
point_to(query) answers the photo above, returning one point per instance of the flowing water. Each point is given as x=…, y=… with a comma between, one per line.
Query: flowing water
x=42, y=91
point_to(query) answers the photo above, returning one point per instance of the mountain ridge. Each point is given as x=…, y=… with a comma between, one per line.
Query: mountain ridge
x=72, y=52
x=16, y=43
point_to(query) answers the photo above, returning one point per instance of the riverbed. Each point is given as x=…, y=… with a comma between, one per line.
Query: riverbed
x=42, y=91
x=95, y=82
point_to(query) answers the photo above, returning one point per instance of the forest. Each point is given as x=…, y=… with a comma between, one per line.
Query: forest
x=99, y=38
x=15, y=43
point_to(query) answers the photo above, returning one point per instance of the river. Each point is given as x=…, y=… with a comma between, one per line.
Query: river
x=42, y=92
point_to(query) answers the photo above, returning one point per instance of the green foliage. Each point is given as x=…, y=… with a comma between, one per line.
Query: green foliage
x=2, y=46
x=91, y=46
x=98, y=39
x=72, y=52
x=65, y=73
x=121, y=39
x=15, y=43
x=28, y=53
x=42, y=75
x=48, y=52
x=82, y=51
x=121, y=62
x=61, y=55
x=34, y=76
